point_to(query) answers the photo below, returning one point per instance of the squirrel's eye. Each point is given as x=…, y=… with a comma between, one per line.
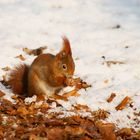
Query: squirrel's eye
x=64, y=66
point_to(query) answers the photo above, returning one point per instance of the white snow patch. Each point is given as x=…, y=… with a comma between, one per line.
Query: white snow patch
x=29, y=100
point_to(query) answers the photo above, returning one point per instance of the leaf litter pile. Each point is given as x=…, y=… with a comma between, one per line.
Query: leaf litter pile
x=24, y=120
x=34, y=118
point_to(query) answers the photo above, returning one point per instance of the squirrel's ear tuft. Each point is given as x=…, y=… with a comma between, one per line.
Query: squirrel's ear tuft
x=66, y=46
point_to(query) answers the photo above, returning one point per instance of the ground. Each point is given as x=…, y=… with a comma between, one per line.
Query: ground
x=105, y=41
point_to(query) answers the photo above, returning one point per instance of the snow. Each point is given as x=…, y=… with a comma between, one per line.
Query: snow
x=89, y=25
x=29, y=100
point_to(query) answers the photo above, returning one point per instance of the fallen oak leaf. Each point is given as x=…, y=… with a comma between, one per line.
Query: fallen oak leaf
x=112, y=96
x=59, y=97
x=124, y=132
x=81, y=107
x=54, y=122
x=107, y=130
x=72, y=81
x=55, y=134
x=22, y=110
x=21, y=57
x=6, y=68
x=137, y=113
x=123, y=103
x=15, y=97
x=71, y=93
x=32, y=109
x=39, y=51
x=35, y=52
x=40, y=98
x=7, y=102
x=106, y=81
x=4, y=79
x=83, y=85
x=100, y=114
x=1, y=132
x=77, y=82
x=75, y=130
x=34, y=137
x=1, y=93
x=73, y=120
x=112, y=62
x=28, y=51
x=7, y=106
x=44, y=108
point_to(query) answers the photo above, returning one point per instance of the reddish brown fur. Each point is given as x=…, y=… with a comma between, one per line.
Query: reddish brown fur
x=66, y=46
x=45, y=75
x=18, y=79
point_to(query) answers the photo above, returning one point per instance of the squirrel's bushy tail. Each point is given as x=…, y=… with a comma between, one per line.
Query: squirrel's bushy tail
x=18, y=79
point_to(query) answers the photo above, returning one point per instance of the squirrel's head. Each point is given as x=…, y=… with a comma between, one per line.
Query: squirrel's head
x=64, y=64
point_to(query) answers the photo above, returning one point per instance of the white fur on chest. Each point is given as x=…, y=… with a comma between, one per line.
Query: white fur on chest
x=46, y=89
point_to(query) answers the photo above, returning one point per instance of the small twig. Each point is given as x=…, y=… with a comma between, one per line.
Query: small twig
x=123, y=103
x=112, y=96
x=71, y=93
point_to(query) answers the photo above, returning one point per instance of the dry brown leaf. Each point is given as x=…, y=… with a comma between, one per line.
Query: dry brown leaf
x=22, y=110
x=6, y=68
x=35, y=52
x=28, y=51
x=7, y=102
x=44, y=108
x=124, y=132
x=106, y=81
x=1, y=93
x=45, y=105
x=34, y=137
x=55, y=134
x=112, y=96
x=77, y=82
x=100, y=114
x=21, y=57
x=75, y=130
x=59, y=97
x=15, y=97
x=72, y=81
x=71, y=93
x=81, y=107
x=3, y=78
x=107, y=130
x=109, y=63
x=82, y=85
x=123, y=103
x=40, y=98
x=137, y=113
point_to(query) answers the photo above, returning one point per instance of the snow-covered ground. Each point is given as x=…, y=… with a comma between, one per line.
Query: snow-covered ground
x=89, y=25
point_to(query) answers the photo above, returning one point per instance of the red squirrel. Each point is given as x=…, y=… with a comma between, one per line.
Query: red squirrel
x=46, y=75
